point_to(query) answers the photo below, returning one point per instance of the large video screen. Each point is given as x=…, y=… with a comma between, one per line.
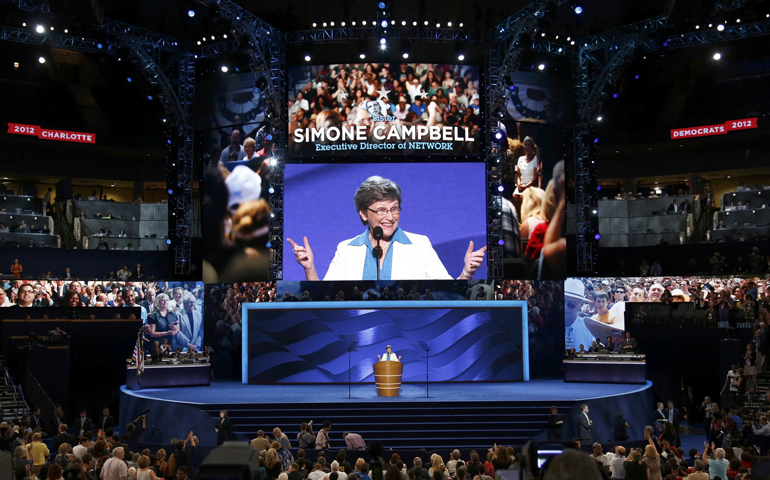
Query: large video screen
x=480, y=341
x=443, y=212
x=384, y=109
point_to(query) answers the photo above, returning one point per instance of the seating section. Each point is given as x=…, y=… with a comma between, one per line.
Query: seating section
x=643, y=222
x=31, y=211
x=744, y=215
x=145, y=225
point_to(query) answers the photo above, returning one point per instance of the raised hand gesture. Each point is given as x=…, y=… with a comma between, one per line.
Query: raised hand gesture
x=304, y=256
x=472, y=260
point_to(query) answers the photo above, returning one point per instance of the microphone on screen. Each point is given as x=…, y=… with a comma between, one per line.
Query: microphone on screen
x=377, y=234
x=377, y=251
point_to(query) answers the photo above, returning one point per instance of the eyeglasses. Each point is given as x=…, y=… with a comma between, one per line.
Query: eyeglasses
x=571, y=305
x=384, y=211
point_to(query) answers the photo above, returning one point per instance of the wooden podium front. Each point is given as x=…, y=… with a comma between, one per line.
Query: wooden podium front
x=387, y=376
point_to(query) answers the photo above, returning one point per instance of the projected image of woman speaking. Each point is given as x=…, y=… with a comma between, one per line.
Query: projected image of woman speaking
x=403, y=255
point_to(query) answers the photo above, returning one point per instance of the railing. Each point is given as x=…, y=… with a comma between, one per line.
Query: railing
x=17, y=391
x=39, y=398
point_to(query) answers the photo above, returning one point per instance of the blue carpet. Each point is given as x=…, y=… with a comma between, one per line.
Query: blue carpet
x=536, y=390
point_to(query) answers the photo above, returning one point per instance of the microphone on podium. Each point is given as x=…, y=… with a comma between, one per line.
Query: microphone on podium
x=377, y=251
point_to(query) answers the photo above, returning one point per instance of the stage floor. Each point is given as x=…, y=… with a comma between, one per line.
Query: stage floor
x=535, y=390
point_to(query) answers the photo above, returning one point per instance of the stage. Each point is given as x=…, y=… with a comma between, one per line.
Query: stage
x=456, y=415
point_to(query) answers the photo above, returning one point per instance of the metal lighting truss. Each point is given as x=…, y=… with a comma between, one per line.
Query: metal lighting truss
x=504, y=58
x=55, y=40
x=345, y=34
x=184, y=199
x=268, y=60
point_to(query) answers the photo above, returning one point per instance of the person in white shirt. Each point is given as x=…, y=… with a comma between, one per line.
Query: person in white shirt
x=763, y=428
x=317, y=473
x=404, y=256
x=335, y=467
x=617, y=469
x=389, y=356
x=82, y=448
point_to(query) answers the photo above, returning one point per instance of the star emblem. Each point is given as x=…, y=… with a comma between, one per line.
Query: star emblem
x=421, y=93
x=342, y=96
x=383, y=93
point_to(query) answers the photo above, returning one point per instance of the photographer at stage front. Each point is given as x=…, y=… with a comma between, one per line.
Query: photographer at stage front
x=378, y=203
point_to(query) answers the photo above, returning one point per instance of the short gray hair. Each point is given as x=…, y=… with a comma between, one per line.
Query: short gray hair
x=117, y=450
x=188, y=297
x=719, y=453
x=376, y=189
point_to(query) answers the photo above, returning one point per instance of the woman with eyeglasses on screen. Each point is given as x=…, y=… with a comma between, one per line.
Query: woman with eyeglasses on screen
x=404, y=256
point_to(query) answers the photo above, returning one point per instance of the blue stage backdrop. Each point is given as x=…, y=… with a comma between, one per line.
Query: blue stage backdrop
x=308, y=343
x=445, y=201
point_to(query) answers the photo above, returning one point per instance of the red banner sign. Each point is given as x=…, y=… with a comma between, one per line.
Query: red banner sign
x=721, y=129
x=47, y=134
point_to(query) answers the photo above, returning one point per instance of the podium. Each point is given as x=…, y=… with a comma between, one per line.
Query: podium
x=387, y=377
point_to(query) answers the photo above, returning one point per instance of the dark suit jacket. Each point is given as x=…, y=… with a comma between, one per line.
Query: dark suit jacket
x=628, y=341
x=584, y=429
x=671, y=208
x=76, y=425
x=296, y=476
x=223, y=432
x=677, y=417
x=105, y=424
x=63, y=438
x=660, y=416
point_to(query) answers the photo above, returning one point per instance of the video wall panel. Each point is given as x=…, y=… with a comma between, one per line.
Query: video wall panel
x=471, y=341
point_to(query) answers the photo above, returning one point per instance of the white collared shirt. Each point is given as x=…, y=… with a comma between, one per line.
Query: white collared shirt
x=390, y=357
x=415, y=261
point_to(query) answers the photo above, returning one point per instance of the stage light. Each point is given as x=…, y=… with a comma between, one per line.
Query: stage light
x=170, y=191
x=501, y=242
x=614, y=95
x=711, y=25
x=392, y=22
x=199, y=42
x=40, y=29
x=343, y=24
x=271, y=190
x=362, y=56
x=324, y=24
x=168, y=241
x=596, y=140
x=384, y=24
x=599, y=118
x=461, y=24
x=15, y=64
x=438, y=25
x=353, y=23
x=500, y=188
x=307, y=58
x=541, y=67
x=594, y=212
x=720, y=27
x=164, y=120
x=41, y=59
x=403, y=23
x=191, y=13
x=381, y=5
x=269, y=137
x=314, y=25
x=383, y=41
x=52, y=29
x=461, y=57
x=572, y=42
x=213, y=37
x=426, y=23
x=363, y=22
x=149, y=97
x=560, y=49
x=597, y=236
x=405, y=55
x=499, y=135
x=99, y=46
x=224, y=69
x=598, y=187
x=448, y=24
x=737, y=20
x=414, y=23
x=512, y=88
x=578, y=9
x=717, y=56
x=24, y=24
x=331, y=24
x=697, y=27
